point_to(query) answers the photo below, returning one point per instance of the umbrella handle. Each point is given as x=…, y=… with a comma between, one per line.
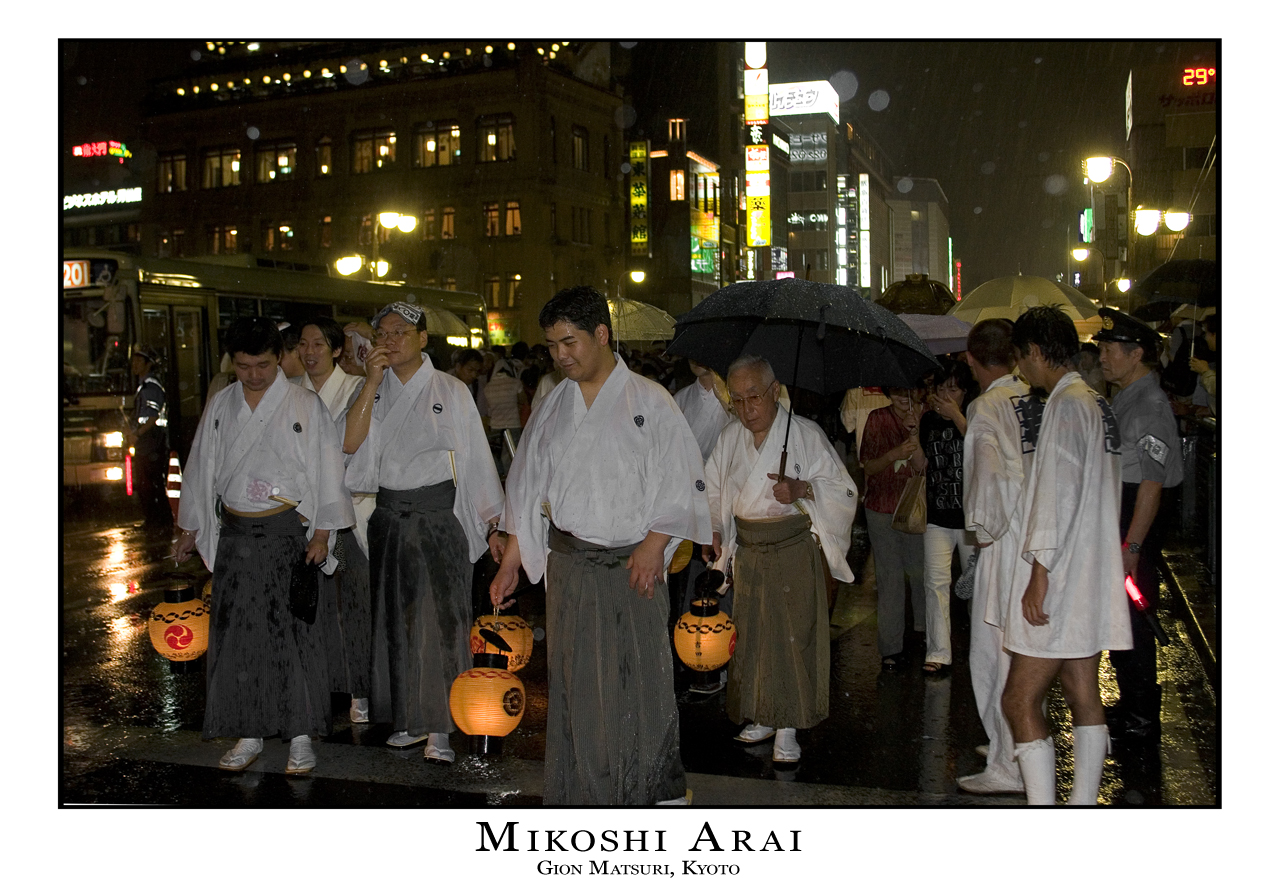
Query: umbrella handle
x=782, y=466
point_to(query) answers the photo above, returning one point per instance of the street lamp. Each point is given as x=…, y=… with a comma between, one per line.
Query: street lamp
x=378, y=268
x=637, y=276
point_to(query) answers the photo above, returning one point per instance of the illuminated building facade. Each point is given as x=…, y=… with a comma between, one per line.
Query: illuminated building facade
x=919, y=232
x=508, y=156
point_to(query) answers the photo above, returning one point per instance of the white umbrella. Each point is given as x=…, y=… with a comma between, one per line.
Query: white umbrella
x=444, y=322
x=943, y=334
x=1010, y=296
x=633, y=320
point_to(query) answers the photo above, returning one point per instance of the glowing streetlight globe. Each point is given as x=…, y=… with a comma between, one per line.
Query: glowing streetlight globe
x=348, y=265
x=1099, y=169
x=407, y=223
x=1146, y=220
x=1176, y=220
x=382, y=268
x=1080, y=253
x=1123, y=284
x=637, y=276
x=389, y=219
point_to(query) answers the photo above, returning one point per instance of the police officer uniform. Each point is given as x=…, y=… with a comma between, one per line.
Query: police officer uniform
x=1150, y=450
x=151, y=445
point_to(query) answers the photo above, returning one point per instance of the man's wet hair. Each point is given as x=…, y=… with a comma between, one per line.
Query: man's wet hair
x=254, y=336
x=1052, y=330
x=754, y=363
x=991, y=343
x=466, y=356
x=332, y=331
x=291, y=336
x=583, y=306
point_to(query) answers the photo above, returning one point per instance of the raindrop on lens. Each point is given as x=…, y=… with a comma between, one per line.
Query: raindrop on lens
x=905, y=184
x=845, y=84
x=1022, y=125
x=977, y=88
x=1042, y=157
x=357, y=72
x=625, y=168
x=626, y=44
x=82, y=80
x=624, y=116
x=977, y=210
x=1055, y=184
x=195, y=55
x=988, y=168
x=1038, y=60
x=878, y=101
x=252, y=133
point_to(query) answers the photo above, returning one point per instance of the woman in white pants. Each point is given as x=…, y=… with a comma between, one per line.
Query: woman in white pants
x=942, y=431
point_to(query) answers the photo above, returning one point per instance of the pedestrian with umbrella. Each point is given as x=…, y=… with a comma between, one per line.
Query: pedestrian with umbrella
x=825, y=338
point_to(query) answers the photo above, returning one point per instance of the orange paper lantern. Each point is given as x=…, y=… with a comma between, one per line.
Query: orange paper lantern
x=513, y=629
x=487, y=700
x=705, y=636
x=179, y=626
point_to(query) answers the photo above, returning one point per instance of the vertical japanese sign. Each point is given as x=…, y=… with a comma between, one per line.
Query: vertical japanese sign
x=755, y=89
x=864, y=230
x=638, y=192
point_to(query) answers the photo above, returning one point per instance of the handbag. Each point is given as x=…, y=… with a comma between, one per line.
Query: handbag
x=964, y=584
x=912, y=513
x=304, y=590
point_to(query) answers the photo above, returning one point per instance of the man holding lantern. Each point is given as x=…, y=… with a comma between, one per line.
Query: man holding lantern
x=777, y=530
x=606, y=482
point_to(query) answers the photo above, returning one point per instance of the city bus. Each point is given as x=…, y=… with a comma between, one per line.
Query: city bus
x=112, y=302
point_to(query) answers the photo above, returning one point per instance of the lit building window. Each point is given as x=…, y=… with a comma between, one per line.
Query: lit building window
x=277, y=161
x=429, y=230
x=277, y=236
x=324, y=157
x=221, y=167
x=171, y=172
x=372, y=150
x=491, y=227
x=513, y=289
x=221, y=239
x=496, y=138
x=446, y=223
x=326, y=231
x=438, y=144
x=492, y=291
x=513, y=218
x=580, y=149
x=677, y=185
x=675, y=129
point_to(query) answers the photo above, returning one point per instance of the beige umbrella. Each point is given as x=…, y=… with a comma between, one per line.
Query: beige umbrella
x=633, y=320
x=444, y=322
x=1009, y=297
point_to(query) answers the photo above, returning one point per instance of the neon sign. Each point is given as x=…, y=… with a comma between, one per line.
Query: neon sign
x=1199, y=76
x=119, y=196
x=109, y=148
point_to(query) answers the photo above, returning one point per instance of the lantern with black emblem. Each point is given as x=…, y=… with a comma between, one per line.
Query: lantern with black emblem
x=487, y=701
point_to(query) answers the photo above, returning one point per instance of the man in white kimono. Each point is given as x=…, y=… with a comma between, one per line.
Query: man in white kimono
x=702, y=408
x=605, y=483
x=417, y=441
x=998, y=448
x=345, y=603
x=777, y=530
x=1074, y=604
x=264, y=476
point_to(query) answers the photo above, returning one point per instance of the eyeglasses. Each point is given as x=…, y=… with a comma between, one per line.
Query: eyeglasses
x=739, y=402
x=380, y=335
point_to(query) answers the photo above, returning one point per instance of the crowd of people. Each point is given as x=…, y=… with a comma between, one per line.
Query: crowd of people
x=342, y=488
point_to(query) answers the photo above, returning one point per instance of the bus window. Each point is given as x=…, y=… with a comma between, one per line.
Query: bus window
x=95, y=361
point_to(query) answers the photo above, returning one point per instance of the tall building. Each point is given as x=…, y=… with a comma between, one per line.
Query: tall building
x=507, y=156
x=921, y=235
x=810, y=112
x=869, y=219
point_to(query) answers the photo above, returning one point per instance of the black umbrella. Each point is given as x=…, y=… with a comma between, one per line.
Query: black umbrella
x=1180, y=281
x=821, y=337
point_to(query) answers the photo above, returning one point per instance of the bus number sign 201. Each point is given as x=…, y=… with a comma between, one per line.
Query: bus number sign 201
x=75, y=273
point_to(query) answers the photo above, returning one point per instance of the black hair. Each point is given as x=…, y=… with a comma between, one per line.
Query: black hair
x=1210, y=324
x=583, y=306
x=499, y=350
x=991, y=343
x=254, y=336
x=962, y=374
x=1091, y=348
x=519, y=351
x=1052, y=330
x=291, y=336
x=531, y=376
x=332, y=331
x=466, y=356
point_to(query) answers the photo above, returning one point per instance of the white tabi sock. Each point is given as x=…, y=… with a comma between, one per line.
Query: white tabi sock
x=1035, y=760
x=1092, y=743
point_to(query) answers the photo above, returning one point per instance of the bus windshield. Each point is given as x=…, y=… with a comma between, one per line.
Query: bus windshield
x=94, y=360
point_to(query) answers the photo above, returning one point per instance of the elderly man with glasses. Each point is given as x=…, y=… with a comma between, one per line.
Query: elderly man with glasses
x=777, y=530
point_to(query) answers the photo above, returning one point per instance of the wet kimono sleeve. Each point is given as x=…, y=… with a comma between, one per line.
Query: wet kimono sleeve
x=985, y=480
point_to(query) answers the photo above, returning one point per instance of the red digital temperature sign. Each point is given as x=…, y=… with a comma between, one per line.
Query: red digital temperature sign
x=1192, y=77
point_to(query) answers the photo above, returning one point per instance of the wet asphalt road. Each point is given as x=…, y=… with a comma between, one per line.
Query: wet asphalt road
x=131, y=726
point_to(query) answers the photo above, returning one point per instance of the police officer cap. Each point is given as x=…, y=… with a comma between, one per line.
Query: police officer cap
x=147, y=352
x=1120, y=328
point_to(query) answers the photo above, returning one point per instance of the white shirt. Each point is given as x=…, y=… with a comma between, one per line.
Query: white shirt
x=338, y=393
x=738, y=484
x=414, y=428
x=705, y=414
x=609, y=475
x=287, y=447
x=1071, y=516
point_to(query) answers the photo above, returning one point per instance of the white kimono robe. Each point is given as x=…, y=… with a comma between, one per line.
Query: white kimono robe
x=1071, y=517
x=287, y=447
x=706, y=415
x=611, y=474
x=998, y=448
x=413, y=429
x=738, y=485
x=338, y=392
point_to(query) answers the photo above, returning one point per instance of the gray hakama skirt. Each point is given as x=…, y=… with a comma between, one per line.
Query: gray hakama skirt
x=781, y=667
x=266, y=674
x=421, y=580
x=613, y=732
x=345, y=617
